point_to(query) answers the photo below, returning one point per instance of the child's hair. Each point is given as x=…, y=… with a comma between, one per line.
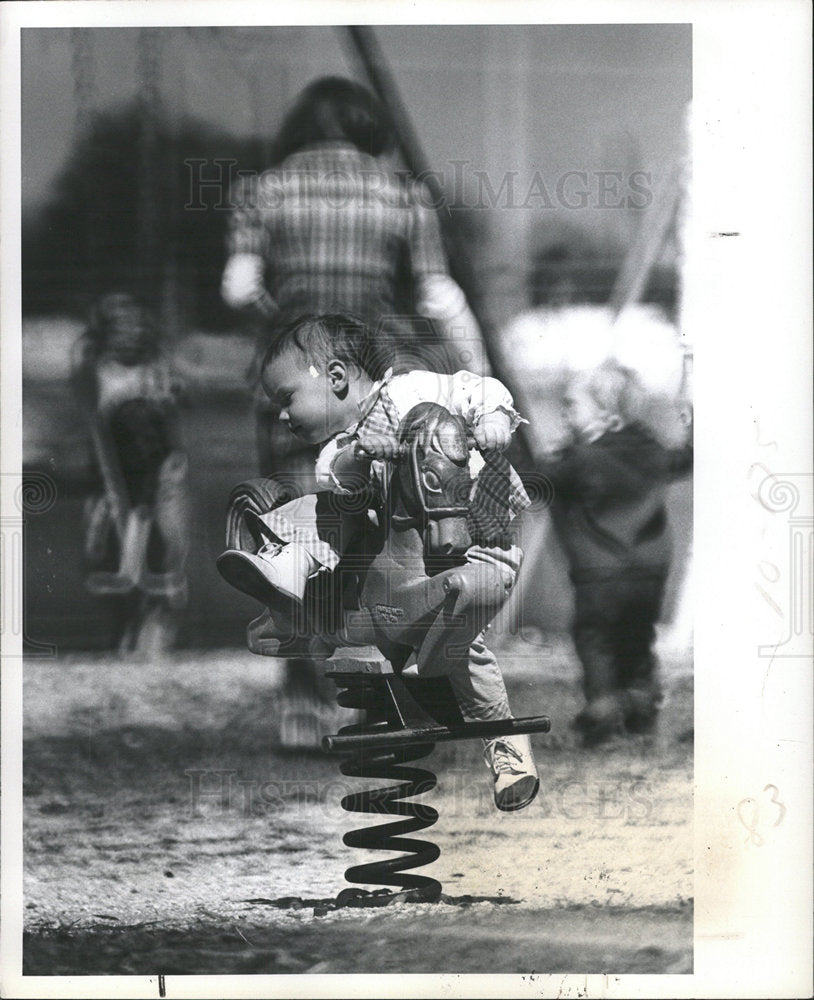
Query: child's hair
x=319, y=339
x=334, y=108
x=615, y=389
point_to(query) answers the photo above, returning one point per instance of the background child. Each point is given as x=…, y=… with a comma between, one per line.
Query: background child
x=127, y=389
x=326, y=374
x=610, y=515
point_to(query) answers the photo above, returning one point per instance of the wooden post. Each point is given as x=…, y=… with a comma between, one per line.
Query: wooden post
x=383, y=84
x=632, y=279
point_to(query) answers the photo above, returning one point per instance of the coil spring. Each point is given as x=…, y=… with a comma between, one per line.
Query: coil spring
x=389, y=764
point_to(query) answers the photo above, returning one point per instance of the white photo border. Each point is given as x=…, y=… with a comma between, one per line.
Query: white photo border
x=753, y=364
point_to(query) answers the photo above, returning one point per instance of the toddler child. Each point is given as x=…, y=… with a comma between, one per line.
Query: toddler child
x=326, y=374
x=609, y=511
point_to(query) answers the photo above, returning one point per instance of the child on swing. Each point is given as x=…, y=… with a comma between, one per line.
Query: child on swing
x=128, y=391
x=327, y=375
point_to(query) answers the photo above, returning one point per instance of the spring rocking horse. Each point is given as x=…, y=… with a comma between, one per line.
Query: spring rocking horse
x=404, y=588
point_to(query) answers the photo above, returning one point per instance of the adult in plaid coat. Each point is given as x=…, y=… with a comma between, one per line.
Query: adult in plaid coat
x=330, y=229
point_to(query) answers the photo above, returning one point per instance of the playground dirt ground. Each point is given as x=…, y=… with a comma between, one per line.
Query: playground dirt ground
x=166, y=832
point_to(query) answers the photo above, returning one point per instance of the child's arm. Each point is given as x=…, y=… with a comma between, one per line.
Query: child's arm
x=83, y=375
x=243, y=281
x=493, y=431
x=484, y=402
x=680, y=460
x=487, y=406
x=475, y=397
x=589, y=474
x=342, y=468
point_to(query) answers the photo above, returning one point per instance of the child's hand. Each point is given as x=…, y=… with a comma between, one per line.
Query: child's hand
x=382, y=446
x=493, y=431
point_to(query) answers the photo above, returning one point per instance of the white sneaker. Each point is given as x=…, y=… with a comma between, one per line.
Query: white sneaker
x=511, y=762
x=275, y=570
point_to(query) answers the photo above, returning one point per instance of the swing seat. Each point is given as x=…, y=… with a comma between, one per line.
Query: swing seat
x=133, y=573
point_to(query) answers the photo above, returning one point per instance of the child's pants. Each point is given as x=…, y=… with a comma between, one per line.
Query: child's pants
x=614, y=631
x=474, y=674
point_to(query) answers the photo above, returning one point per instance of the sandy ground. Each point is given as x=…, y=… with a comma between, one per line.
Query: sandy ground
x=163, y=826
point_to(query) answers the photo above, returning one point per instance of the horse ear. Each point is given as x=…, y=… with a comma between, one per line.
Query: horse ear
x=442, y=435
x=449, y=439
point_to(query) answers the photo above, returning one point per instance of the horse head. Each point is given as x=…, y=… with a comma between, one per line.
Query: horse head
x=431, y=483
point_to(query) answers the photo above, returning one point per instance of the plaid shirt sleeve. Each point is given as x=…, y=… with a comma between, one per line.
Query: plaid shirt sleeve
x=246, y=231
x=426, y=247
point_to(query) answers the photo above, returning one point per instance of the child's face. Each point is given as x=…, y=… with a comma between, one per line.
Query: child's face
x=309, y=404
x=582, y=414
x=127, y=332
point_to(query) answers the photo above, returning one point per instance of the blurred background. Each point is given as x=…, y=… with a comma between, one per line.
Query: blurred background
x=559, y=154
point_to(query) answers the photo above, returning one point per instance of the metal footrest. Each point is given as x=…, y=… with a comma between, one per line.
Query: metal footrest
x=435, y=734
x=418, y=710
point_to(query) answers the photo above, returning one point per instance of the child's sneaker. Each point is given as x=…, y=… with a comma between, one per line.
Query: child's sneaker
x=641, y=709
x=600, y=721
x=511, y=762
x=276, y=571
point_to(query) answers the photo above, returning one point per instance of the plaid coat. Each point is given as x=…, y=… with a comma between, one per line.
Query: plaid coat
x=337, y=232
